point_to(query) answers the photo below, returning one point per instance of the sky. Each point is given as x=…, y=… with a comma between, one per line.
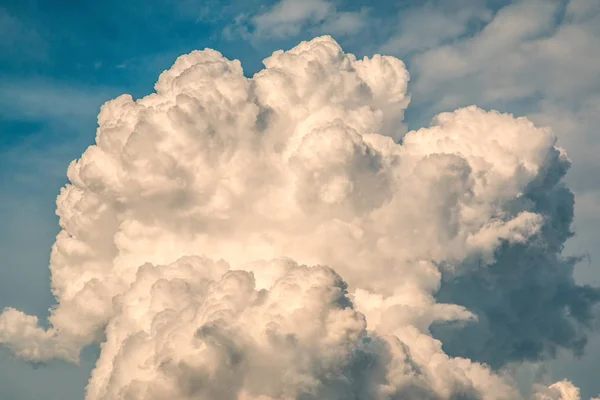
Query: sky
x=61, y=60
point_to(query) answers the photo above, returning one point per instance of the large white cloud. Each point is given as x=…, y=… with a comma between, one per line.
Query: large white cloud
x=187, y=226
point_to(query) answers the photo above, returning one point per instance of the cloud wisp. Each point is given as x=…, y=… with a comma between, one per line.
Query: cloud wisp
x=284, y=237
x=288, y=18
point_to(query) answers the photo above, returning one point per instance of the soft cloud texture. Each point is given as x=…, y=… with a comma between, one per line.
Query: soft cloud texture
x=433, y=24
x=520, y=53
x=195, y=230
x=288, y=18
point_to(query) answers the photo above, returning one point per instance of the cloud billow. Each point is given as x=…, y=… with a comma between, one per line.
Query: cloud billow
x=527, y=302
x=269, y=238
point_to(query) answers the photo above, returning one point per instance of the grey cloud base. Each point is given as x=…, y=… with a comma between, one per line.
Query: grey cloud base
x=195, y=231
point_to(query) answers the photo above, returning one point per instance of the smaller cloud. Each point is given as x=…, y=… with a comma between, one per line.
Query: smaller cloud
x=563, y=390
x=346, y=22
x=289, y=18
x=429, y=26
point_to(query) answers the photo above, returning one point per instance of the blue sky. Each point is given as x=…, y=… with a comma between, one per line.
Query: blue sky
x=60, y=60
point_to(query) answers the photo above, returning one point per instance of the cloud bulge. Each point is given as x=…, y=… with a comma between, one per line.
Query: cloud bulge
x=284, y=237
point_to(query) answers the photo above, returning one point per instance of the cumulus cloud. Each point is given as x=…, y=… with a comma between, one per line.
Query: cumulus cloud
x=284, y=237
x=189, y=330
x=563, y=390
